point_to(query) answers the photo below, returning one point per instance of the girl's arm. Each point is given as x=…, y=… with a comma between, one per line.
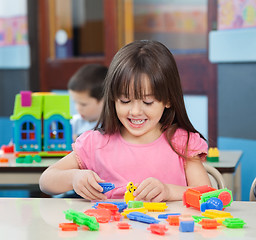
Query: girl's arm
x=151, y=189
x=65, y=175
x=196, y=175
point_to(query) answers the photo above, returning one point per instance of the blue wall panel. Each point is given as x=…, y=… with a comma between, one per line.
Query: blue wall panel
x=6, y=131
x=248, y=160
x=237, y=45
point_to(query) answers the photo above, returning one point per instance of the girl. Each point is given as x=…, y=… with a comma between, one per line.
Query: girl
x=144, y=134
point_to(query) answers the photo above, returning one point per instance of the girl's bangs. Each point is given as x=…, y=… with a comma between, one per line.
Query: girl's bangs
x=131, y=86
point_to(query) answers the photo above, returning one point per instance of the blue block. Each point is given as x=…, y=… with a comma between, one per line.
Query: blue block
x=107, y=186
x=212, y=203
x=141, y=217
x=187, y=226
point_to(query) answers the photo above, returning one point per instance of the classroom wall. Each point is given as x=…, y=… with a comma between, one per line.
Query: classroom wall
x=237, y=116
x=11, y=83
x=236, y=97
x=14, y=59
x=233, y=46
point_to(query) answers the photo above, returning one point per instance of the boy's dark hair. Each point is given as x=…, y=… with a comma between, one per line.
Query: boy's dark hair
x=89, y=78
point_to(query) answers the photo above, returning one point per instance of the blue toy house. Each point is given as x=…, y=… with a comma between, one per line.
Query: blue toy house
x=42, y=123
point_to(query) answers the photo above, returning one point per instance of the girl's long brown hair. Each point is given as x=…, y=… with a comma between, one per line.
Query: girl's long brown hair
x=156, y=61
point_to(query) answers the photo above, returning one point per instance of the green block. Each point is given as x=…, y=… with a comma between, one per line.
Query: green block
x=233, y=223
x=37, y=158
x=19, y=159
x=135, y=204
x=212, y=159
x=82, y=219
x=206, y=196
x=28, y=159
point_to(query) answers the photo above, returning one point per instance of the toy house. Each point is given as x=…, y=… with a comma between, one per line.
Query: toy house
x=41, y=124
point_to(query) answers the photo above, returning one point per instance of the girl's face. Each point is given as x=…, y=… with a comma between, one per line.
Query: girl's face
x=140, y=117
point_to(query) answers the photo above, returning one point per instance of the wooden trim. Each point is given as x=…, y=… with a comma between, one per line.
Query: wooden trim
x=212, y=82
x=193, y=70
x=128, y=22
x=120, y=23
x=110, y=27
x=52, y=26
x=43, y=34
x=34, y=46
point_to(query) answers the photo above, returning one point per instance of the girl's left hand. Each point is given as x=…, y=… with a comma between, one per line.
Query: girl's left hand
x=151, y=190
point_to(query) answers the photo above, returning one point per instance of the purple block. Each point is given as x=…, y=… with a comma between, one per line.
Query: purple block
x=26, y=98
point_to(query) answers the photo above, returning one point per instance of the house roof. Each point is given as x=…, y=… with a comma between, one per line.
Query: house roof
x=35, y=109
x=42, y=104
x=56, y=104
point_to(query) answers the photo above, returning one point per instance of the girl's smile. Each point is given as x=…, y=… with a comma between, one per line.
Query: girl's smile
x=137, y=123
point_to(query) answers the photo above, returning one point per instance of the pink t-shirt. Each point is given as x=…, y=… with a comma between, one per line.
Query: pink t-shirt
x=120, y=162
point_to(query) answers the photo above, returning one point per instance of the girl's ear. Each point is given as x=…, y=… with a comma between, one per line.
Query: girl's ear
x=168, y=105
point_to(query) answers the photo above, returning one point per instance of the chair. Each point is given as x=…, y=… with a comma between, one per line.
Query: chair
x=253, y=191
x=215, y=176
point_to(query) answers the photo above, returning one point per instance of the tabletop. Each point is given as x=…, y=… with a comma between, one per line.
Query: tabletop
x=39, y=218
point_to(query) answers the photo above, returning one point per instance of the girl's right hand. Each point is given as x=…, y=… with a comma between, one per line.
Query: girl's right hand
x=85, y=184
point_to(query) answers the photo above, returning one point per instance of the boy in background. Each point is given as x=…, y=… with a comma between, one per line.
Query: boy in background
x=86, y=89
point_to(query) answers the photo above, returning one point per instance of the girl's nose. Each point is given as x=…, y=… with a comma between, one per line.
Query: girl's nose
x=136, y=108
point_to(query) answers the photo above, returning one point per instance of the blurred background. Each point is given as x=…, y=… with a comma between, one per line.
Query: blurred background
x=42, y=43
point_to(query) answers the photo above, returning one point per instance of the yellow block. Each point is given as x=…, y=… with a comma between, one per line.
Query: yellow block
x=212, y=213
x=129, y=210
x=155, y=206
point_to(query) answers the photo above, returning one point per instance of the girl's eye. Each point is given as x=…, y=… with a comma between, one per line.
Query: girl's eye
x=148, y=103
x=124, y=101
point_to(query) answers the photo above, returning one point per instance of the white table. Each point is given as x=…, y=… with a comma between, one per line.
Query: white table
x=230, y=168
x=35, y=218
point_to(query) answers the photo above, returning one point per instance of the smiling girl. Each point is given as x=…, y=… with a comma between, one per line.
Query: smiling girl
x=144, y=134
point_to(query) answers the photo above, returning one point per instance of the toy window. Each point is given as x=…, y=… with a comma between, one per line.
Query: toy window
x=28, y=131
x=56, y=130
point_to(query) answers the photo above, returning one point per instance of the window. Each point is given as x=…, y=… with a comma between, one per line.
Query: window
x=28, y=131
x=56, y=131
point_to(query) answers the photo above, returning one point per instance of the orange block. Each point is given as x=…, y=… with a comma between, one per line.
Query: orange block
x=68, y=226
x=209, y=223
x=4, y=160
x=173, y=220
x=192, y=196
x=123, y=225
